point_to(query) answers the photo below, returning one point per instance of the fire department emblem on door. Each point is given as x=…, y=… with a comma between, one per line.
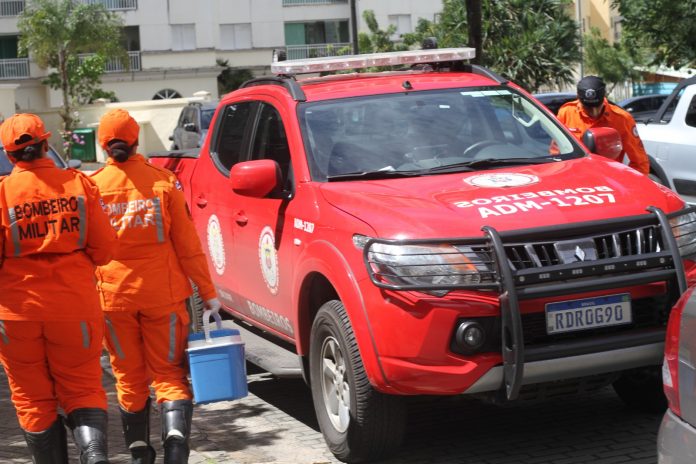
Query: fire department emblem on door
x=268, y=259
x=216, y=245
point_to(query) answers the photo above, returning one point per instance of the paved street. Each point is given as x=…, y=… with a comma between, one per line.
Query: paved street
x=275, y=424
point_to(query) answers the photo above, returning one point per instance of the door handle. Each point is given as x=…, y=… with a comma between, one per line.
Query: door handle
x=241, y=219
x=201, y=202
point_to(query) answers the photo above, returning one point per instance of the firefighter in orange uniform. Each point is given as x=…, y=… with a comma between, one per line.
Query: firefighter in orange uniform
x=592, y=109
x=145, y=287
x=53, y=231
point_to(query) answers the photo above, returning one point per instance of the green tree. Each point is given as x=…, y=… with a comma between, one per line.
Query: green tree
x=377, y=40
x=666, y=27
x=532, y=42
x=55, y=33
x=614, y=62
x=229, y=78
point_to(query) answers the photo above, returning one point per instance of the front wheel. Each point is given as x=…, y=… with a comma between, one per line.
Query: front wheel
x=641, y=389
x=358, y=423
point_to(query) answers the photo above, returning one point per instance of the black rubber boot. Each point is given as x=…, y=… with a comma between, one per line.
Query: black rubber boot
x=90, y=434
x=136, y=431
x=176, y=428
x=49, y=446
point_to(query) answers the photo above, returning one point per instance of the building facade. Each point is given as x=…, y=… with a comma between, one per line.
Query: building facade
x=174, y=46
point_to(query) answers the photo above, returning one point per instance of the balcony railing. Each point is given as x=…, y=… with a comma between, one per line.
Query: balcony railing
x=311, y=2
x=15, y=68
x=114, y=4
x=300, y=52
x=114, y=65
x=11, y=7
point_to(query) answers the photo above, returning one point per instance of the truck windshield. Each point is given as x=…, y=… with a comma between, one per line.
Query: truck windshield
x=417, y=131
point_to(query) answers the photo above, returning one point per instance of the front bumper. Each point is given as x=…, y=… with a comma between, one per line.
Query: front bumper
x=632, y=253
x=676, y=441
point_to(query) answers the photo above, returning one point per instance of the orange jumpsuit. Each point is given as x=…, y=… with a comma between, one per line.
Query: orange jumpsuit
x=575, y=118
x=145, y=286
x=53, y=231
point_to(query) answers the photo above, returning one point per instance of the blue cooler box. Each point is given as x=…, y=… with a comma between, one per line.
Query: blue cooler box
x=218, y=368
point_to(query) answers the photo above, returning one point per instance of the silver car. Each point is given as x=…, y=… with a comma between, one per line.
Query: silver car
x=676, y=442
x=6, y=165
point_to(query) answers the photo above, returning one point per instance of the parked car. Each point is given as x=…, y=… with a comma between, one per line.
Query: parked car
x=554, y=100
x=429, y=231
x=6, y=165
x=676, y=442
x=643, y=107
x=192, y=125
x=670, y=140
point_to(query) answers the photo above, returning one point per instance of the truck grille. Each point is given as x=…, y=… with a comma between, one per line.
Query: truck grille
x=605, y=246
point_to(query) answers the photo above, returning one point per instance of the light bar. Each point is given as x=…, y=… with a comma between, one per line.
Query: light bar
x=368, y=60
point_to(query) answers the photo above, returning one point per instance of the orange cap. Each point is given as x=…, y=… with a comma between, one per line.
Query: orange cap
x=117, y=125
x=18, y=125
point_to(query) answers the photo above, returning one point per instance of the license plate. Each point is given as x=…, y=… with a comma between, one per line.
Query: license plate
x=588, y=313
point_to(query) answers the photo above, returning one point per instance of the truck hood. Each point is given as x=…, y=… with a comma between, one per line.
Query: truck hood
x=458, y=205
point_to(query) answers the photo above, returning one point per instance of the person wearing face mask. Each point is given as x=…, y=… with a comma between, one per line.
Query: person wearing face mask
x=144, y=289
x=53, y=231
x=592, y=109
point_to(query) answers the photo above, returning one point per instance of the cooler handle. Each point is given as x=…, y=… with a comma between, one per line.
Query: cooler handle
x=206, y=323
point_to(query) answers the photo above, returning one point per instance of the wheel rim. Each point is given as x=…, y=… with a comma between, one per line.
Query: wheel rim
x=334, y=384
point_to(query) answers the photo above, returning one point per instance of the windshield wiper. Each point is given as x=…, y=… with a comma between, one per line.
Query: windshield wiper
x=371, y=175
x=492, y=162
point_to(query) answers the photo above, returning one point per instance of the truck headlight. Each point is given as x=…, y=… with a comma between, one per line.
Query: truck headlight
x=684, y=230
x=428, y=266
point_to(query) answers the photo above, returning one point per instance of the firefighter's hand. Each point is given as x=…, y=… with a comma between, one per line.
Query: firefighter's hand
x=213, y=304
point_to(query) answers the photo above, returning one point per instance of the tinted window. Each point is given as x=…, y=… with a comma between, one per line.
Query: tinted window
x=270, y=141
x=5, y=165
x=206, y=117
x=691, y=113
x=229, y=145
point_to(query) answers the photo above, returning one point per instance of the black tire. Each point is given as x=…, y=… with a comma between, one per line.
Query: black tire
x=195, y=307
x=641, y=389
x=367, y=424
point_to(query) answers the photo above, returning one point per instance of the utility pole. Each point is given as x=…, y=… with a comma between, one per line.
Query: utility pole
x=354, y=25
x=578, y=10
x=473, y=22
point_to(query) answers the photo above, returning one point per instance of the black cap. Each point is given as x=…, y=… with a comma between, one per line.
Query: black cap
x=591, y=91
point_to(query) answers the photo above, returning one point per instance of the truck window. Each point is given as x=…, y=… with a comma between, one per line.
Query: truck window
x=230, y=140
x=270, y=141
x=691, y=113
x=418, y=131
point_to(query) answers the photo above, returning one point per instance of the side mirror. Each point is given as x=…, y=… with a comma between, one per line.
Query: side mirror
x=190, y=127
x=255, y=178
x=74, y=163
x=604, y=141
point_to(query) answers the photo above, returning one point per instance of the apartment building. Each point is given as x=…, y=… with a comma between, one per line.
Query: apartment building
x=173, y=45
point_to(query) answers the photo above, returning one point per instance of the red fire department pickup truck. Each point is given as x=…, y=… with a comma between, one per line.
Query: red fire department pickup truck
x=431, y=230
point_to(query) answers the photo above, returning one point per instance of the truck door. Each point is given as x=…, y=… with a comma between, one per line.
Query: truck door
x=212, y=207
x=263, y=248
x=681, y=153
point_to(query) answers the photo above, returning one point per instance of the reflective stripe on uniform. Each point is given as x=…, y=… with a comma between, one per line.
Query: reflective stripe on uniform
x=85, y=335
x=14, y=228
x=158, y=219
x=172, y=336
x=3, y=333
x=82, y=211
x=114, y=339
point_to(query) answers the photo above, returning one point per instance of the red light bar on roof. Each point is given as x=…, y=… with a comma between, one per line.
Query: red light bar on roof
x=368, y=60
